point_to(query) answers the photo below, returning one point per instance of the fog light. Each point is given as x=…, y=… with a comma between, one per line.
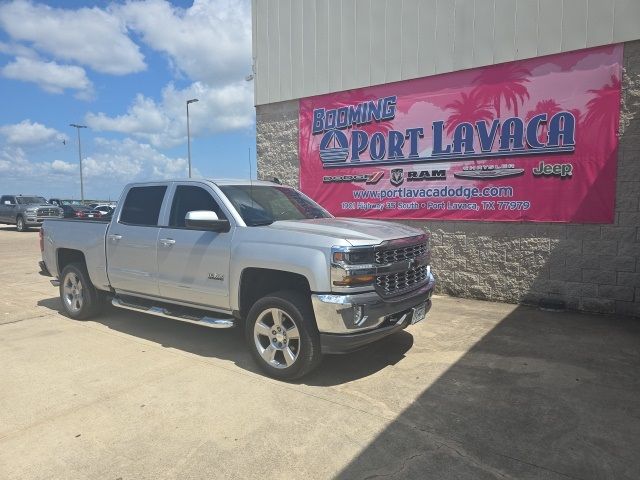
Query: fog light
x=358, y=315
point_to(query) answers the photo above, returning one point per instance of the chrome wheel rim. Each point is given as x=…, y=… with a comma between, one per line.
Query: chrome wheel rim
x=72, y=292
x=20, y=224
x=277, y=338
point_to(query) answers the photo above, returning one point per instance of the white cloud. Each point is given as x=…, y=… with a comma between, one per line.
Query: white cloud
x=30, y=133
x=210, y=41
x=14, y=163
x=163, y=124
x=89, y=36
x=60, y=166
x=50, y=76
x=17, y=50
x=142, y=117
x=111, y=165
x=127, y=160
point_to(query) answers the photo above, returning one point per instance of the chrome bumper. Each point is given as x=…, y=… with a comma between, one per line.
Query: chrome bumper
x=36, y=221
x=348, y=314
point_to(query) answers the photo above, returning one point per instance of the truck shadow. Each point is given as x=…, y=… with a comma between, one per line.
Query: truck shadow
x=229, y=344
x=12, y=229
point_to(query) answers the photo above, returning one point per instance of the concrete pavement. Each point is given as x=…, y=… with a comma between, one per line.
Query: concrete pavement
x=479, y=390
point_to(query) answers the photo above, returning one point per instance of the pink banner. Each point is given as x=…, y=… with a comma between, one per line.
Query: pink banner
x=532, y=140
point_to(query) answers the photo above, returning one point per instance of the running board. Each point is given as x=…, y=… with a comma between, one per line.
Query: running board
x=204, y=320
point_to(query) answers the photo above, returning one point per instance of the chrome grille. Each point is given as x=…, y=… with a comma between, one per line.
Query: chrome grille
x=394, y=255
x=48, y=212
x=397, y=283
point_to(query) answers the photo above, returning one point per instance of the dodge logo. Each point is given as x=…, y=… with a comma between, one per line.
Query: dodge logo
x=397, y=176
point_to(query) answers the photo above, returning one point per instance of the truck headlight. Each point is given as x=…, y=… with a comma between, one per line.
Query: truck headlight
x=354, y=257
x=352, y=267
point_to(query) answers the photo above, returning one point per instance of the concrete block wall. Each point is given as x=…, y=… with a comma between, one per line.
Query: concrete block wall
x=593, y=268
x=277, y=142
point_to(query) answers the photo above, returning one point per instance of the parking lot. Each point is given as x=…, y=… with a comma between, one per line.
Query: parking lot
x=478, y=390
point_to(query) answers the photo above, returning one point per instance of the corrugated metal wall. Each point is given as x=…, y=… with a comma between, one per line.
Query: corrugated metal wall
x=308, y=47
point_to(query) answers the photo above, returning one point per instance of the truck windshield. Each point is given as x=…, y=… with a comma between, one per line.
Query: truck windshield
x=30, y=200
x=264, y=204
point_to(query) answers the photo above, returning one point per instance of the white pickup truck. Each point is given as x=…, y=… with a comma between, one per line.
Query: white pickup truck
x=253, y=254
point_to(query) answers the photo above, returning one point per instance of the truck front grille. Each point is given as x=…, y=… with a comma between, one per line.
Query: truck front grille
x=47, y=212
x=394, y=255
x=397, y=283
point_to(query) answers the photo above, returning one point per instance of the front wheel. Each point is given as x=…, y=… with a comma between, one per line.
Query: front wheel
x=80, y=299
x=282, y=335
x=20, y=225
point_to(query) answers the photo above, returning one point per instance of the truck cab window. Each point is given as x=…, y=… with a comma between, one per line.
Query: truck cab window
x=142, y=205
x=189, y=198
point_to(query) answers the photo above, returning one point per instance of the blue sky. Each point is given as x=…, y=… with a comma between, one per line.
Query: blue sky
x=124, y=69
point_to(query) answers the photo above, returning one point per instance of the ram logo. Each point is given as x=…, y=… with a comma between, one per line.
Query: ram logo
x=397, y=176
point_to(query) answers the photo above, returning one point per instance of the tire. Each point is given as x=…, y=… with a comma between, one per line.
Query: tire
x=20, y=226
x=80, y=299
x=294, y=350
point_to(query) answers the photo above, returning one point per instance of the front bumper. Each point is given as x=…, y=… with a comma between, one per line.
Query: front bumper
x=31, y=221
x=347, y=322
x=335, y=343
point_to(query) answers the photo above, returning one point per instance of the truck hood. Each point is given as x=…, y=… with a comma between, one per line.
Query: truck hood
x=355, y=231
x=38, y=205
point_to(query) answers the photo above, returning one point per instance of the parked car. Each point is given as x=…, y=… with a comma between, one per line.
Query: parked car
x=60, y=202
x=25, y=211
x=103, y=210
x=253, y=254
x=79, y=211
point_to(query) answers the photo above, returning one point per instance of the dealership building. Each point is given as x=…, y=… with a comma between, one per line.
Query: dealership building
x=507, y=129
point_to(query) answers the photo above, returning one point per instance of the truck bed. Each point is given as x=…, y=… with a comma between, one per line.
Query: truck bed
x=87, y=236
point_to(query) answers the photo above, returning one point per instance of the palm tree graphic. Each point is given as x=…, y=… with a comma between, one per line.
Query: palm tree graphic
x=601, y=109
x=548, y=106
x=503, y=82
x=468, y=108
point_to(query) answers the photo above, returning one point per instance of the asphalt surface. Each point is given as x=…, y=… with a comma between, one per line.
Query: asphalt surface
x=478, y=390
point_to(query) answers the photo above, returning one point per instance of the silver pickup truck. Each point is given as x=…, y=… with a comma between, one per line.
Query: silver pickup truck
x=253, y=254
x=26, y=211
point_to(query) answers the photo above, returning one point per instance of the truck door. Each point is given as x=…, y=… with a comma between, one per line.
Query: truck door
x=132, y=240
x=6, y=211
x=193, y=265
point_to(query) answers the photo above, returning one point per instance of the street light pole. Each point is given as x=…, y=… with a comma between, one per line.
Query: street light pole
x=193, y=100
x=78, y=127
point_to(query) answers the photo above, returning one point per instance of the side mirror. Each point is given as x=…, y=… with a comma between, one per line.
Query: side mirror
x=206, y=220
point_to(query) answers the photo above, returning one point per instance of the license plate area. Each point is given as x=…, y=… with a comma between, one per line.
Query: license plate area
x=419, y=313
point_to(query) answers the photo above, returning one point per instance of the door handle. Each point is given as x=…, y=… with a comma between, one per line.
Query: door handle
x=114, y=237
x=166, y=242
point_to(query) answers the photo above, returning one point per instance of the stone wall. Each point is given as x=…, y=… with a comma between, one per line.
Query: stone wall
x=594, y=268
x=277, y=142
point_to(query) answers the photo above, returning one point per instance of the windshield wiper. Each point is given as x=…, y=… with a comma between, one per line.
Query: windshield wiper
x=261, y=224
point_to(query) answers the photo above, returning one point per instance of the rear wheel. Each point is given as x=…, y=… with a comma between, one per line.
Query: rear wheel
x=20, y=225
x=282, y=335
x=80, y=299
